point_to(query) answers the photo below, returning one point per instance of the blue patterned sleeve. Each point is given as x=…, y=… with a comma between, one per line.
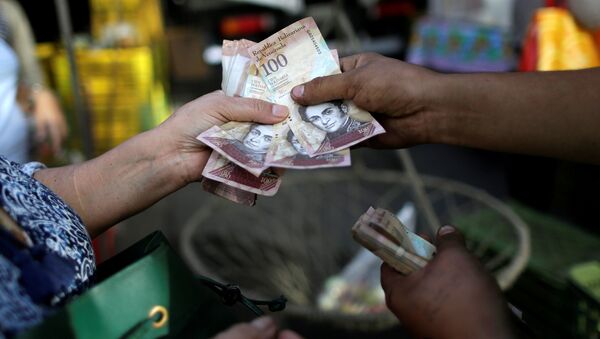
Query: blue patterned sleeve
x=53, y=228
x=31, y=167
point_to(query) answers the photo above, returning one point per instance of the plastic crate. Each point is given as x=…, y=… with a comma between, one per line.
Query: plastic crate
x=585, y=281
x=121, y=91
x=143, y=16
x=544, y=291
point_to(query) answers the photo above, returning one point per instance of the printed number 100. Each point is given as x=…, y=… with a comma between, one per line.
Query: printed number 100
x=273, y=65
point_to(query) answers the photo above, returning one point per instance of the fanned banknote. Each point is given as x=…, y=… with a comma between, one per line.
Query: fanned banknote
x=248, y=145
x=312, y=137
x=220, y=169
x=295, y=55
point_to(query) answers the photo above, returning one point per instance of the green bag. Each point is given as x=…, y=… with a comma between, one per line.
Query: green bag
x=144, y=292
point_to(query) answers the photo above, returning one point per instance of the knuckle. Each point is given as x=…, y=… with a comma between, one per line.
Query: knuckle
x=315, y=85
x=352, y=88
x=258, y=106
x=368, y=57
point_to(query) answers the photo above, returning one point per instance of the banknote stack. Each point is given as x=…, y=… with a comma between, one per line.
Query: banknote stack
x=382, y=233
x=247, y=158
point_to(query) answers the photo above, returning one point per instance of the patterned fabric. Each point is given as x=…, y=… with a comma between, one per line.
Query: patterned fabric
x=49, y=221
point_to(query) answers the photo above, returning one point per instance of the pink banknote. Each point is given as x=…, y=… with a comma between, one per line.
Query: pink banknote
x=222, y=170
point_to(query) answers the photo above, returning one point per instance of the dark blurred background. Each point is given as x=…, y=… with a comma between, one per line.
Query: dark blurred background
x=161, y=54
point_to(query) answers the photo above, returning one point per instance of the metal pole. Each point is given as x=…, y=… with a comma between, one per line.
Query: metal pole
x=423, y=201
x=83, y=118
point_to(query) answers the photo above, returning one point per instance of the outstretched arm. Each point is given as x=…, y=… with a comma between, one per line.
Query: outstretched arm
x=151, y=165
x=553, y=114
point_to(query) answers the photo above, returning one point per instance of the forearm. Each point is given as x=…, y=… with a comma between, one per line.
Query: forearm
x=119, y=183
x=554, y=114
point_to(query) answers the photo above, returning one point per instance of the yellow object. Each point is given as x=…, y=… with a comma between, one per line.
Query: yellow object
x=134, y=22
x=120, y=91
x=163, y=314
x=562, y=44
x=124, y=83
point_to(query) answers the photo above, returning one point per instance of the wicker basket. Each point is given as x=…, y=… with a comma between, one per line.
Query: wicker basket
x=291, y=243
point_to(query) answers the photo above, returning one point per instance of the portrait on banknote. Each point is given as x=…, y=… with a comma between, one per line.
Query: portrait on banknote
x=338, y=123
x=256, y=142
x=246, y=144
x=290, y=153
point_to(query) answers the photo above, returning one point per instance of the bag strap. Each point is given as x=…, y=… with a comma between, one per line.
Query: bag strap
x=231, y=294
x=156, y=318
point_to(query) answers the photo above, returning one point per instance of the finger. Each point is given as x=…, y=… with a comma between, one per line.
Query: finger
x=254, y=110
x=349, y=63
x=323, y=89
x=394, y=286
x=449, y=237
x=239, y=331
x=259, y=328
x=287, y=334
x=266, y=326
x=390, y=278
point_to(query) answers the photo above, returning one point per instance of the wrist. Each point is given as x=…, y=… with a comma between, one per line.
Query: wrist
x=160, y=148
x=442, y=109
x=181, y=155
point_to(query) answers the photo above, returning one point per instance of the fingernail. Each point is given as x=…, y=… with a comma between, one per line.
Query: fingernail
x=262, y=323
x=280, y=111
x=298, y=91
x=446, y=230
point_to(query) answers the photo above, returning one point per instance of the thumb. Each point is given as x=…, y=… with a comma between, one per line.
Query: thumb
x=323, y=89
x=259, y=328
x=255, y=110
x=449, y=237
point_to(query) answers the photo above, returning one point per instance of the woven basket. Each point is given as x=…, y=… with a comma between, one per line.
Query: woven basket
x=291, y=243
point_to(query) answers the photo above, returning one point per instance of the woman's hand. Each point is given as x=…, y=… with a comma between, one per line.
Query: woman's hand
x=153, y=164
x=182, y=128
x=49, y=120
x=397, y=90
x=259, y=328
x=452, y=297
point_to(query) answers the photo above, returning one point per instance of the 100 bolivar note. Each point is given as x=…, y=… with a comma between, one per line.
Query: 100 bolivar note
x=252, y=146
x=220, y=169
x=295, y=55
x=229, y=192
x=243, y=152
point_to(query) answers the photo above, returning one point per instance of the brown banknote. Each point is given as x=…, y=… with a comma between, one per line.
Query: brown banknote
x=220, y=169
x=228, y=192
